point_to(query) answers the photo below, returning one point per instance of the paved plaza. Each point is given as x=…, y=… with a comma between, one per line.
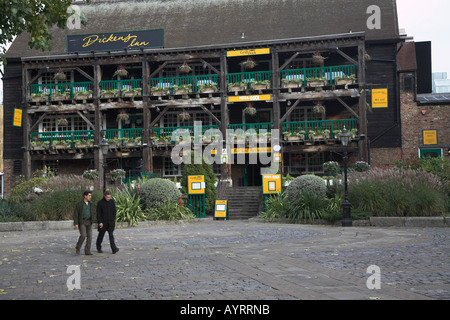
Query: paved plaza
x=227, y=260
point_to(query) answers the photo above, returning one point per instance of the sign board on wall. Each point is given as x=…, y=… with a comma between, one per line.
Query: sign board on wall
x=380, y=98
x=196, y=184
x=17, y=120
x=115, y=41
x=249, y=52
x=430, y=137
x=271, y=183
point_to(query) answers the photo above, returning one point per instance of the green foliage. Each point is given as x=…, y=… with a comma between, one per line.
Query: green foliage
x=307, y=206
x=310, y=183
x=155, y=192
x=128, y=207
x=170, y=211
x=210, y=180
x=36, y=17
x=276, y=207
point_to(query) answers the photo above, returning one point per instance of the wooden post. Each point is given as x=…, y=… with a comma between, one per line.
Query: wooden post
x=276, y=91
x=363, y=147
x=225, y=169
x=26, y=125
x=147, y=155
x=98, y=156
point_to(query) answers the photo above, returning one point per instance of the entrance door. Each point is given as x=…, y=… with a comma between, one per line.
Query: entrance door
x=252, y=176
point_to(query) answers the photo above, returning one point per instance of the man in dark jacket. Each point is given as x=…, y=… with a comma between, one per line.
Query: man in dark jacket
x=83, y=217
x=106, y=218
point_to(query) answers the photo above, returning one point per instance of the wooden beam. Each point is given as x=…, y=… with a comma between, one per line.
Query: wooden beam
x=210, y=66
x=154, y=73
x=38, y=122
x=89, y=123
x=161, y=114
x=84, y=74
x=347, y=107
x=289, y=61
x=290, y=111
x=210, y=114
x=353, y=61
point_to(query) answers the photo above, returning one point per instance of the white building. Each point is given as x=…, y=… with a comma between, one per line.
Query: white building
x=440, y=82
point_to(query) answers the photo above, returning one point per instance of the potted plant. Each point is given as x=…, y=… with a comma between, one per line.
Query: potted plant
x=291, y=83
x=367, y=57
x=332, y=167
x=109, y=93
x=260, y=85
x=250, y=110
x=361, y=166
x=91, y=174
x=327, y=136
x=80, y=143
x=316, y=81
x=207, y=87
x=63, y=122
x=121, y=71
x=354, y=133
x=319, y=109
x=185, y=68
x=182, y=89
x=117, y=174
x=248, y=64
x=184, y=116
x=60, y=75
x=345, y=79
x=39, y=97
x=128, y=93
x=59, y=96
x=236, y=86
x=160, y=91
x=123, y=116
x=317, y=58
x=82, y=95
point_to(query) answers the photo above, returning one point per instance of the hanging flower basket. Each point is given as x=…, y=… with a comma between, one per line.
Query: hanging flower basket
x=184, y=68
x=250, y=111
x=62, y=122
x=123, y=116
x=117, y=174
x=121, y=71
x=60, y=75
x=367, y=57
x=91, y=174
x=319, y=109
x=317, y=58
x=332, y=167
x=361, y=166
x=248, y=64
x=184, y=116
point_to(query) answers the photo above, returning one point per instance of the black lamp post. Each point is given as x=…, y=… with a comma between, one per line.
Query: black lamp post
x=346, y=205
x=104, y=148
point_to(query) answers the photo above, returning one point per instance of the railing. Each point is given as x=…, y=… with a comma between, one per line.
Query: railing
x=325, y=73
x=65, y=90
x=121, y=86
x=120, y=137
x=309, y=126
x=167, y=132
x=247, y=79
x=252, y=127
x=194, y=84
x=63, y=137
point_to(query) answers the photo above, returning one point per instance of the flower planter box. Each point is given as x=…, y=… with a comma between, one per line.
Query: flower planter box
x=317, y=83
x=82, y=96
x=344, y=81
x=181, y=91
x=39, y=99
x=259, y=86
x=131, y=144
x=160, y=92
x=107, y=95
x=291, y=85
x=60, y=146
x=59, y=97
x=38, y=148
x=207, y=90
x=294, y=138
x=128, y=94
x=80, y=145
x=237, y=88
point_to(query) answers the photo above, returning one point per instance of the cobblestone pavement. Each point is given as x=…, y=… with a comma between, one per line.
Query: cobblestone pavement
x=224, y=260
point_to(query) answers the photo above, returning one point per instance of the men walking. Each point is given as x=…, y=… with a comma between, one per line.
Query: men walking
x=106, y=218
x=83, y=217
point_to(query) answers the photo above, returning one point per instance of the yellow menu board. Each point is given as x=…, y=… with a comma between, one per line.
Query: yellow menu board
x=196, y=184
x=271, y=183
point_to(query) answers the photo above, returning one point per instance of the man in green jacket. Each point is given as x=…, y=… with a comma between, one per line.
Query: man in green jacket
x=83, y=217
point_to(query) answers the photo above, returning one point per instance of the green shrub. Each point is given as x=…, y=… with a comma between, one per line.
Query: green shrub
x=156, y=192
x=310, y=183
x=276, y=207
x=128, y=207
x=307, y=206
x=170, y=211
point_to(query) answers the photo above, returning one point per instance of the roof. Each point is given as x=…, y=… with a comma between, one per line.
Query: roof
x=206, y=22
x=434, y=98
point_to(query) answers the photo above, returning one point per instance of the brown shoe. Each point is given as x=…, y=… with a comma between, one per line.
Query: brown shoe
x=88, y=254
x=77, y=251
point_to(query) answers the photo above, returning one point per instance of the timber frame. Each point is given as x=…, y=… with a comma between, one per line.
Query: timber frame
x=34, y=67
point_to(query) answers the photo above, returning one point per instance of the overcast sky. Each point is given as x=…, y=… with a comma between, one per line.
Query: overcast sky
x=428, y=21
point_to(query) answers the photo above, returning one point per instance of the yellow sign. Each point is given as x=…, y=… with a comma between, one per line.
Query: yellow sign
x=251, y=150
x=221, y=209
x=271, y=183
x=262, y=97
x=249, y=52
x=17, y=121
x=380, y=98
x=277, y=157
x=196, y=184
x=430, y=137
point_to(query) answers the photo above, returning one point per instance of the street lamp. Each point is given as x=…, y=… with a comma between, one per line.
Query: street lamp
x=104, y=148
x=346, y=205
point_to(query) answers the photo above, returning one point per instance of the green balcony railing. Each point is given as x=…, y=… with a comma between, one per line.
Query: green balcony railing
x=251, y=127
x=247, y=80
x=326, y=73
x=69, y=138
x=194, y=84
x=60, y=91
x=308, y=126
x=119, y=87
x=167, y=132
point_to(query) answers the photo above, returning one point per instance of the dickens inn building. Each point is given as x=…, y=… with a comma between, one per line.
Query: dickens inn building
x=141, y=69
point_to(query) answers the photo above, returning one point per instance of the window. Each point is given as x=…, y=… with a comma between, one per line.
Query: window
x=170, y=169
x=171, y=120
x=304, y=163
x=75, y=123
x=304, y=114
x=51, y=166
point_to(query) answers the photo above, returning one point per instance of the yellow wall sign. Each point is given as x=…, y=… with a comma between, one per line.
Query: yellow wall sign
x=430, y=137
x=380, y=98
x=249, y=52
x=271, y=183
x=17, y=121
x=251, y=150
x=196, y=184
x=221, y=209
x=262, y=97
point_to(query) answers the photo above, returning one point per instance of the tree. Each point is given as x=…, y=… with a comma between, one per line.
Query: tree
x=35, y=17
